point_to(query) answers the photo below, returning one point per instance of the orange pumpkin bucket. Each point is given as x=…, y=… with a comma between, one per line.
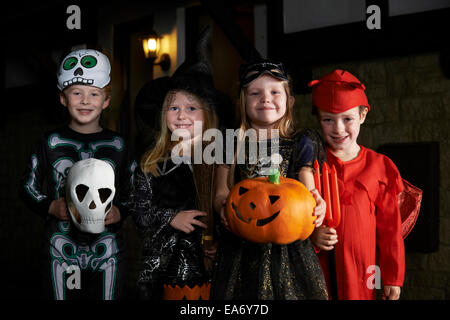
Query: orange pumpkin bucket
x=275, y=209
x=176, y=292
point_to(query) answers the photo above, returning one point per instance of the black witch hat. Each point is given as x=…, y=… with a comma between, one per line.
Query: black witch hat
x=194, y=76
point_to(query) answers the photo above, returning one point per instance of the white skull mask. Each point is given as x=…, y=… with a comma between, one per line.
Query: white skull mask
x=86, y=66
x=89, y=194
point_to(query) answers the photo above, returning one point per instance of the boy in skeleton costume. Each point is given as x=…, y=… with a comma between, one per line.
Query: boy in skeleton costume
x=86, y=264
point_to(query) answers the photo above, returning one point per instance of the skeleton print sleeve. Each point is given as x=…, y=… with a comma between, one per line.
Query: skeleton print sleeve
x=31, y=187
x=149, y=218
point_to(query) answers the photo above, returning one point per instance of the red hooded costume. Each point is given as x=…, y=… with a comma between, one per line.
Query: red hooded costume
x=370, y=231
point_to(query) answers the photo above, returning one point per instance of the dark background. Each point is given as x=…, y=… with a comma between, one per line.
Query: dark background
x=408, y=57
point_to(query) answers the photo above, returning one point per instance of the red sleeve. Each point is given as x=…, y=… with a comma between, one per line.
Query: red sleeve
x=391, y=251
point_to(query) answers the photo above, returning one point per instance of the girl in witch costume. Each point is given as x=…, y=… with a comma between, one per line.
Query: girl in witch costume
x=248, y=270
x=369, y=184
x=172, y=198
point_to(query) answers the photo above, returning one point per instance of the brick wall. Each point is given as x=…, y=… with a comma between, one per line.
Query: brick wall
x=410, y=100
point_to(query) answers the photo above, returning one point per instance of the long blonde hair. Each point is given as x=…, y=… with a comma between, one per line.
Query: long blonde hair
x=285, y=125
x=163, y=143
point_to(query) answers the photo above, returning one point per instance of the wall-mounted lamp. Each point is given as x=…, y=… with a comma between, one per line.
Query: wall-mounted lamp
x=152, y=47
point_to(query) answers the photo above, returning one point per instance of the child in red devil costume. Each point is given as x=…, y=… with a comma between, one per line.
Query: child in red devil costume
x=368, y=242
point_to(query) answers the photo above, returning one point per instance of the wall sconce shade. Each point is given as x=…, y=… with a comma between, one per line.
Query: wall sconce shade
x=152, y=46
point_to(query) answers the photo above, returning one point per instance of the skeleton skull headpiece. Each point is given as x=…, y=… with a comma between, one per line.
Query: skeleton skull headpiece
x=89, y=194
x=86, y=66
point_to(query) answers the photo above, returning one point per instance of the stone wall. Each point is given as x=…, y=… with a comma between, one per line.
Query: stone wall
x=410, y=101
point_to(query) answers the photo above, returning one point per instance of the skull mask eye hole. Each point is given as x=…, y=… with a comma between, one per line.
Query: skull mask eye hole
x=70, y=63
x=81, y=191
x=104, y=194
x=89, y=61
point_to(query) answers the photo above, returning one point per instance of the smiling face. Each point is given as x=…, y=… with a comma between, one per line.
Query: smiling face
x=265, y=102
x=85, y=105
x=183, y=110
x=340, y=130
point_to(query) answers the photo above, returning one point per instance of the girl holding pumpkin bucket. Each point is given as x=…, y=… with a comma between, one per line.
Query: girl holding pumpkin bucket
x=268, y=271
x=369, y=184
x=170, y=197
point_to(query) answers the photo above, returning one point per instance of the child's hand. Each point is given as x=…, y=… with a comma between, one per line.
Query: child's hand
x=324, y=238
x=223, y=219
x=210, y=252
x=113, y=216
x=185, y=220
x=58, y=209
x=319, y=210
x=391, y=293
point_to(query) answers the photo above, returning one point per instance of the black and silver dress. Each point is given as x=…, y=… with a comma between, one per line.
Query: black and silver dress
x=169, y=256
x=245, y=270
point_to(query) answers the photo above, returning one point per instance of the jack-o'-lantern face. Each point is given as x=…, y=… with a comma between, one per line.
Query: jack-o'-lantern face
x=262, y=211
